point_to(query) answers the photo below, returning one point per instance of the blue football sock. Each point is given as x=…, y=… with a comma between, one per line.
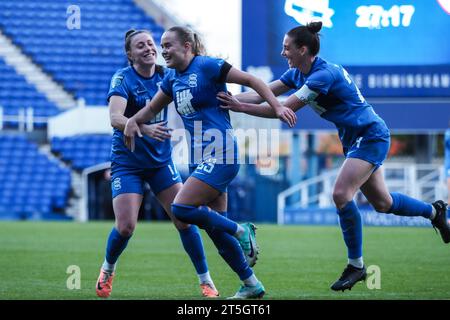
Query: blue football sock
x=351, y=225
x=204, y=217
x=192, y=243
x=231, y=251
x=402, y=205
x=116, y=244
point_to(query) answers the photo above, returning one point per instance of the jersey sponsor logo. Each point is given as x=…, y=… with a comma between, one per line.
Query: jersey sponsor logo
x=116, y=81
x=304, y=11
x=184, y=106
x=117, y=185
x=158, y=118
x=193, y=80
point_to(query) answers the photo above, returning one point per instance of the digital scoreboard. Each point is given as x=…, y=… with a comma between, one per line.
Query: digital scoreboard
x=391, y=48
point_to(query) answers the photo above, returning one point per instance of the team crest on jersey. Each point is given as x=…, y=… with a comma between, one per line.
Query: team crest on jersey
x=116, y=81
x=193, y=80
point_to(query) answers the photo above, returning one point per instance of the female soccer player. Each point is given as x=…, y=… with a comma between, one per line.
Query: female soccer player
x=203, y=198
x=151, y=162
x=330, y=91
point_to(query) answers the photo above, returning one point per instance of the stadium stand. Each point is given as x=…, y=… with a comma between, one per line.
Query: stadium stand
x=82, y=60
x=82, y=151
x=32, y=185
x=17, y=94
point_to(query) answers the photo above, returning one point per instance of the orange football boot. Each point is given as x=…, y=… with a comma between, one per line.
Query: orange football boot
x=104, y=284
x=209, y=291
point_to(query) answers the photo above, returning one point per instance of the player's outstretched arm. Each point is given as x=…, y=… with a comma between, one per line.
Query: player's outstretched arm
x=246, y=79
x=232, y=103
x=152, y=108
x=259, y=110
x=277, y=87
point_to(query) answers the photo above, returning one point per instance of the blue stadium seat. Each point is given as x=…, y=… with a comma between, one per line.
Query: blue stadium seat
x=90, y=55
x=31, y=184
x=83, y=151
x=20, y=95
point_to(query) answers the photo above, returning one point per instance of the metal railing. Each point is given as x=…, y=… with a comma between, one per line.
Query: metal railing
x=25, y=119
x=421, y=181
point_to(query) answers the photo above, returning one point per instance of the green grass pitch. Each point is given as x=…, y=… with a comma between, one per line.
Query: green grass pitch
x=296, y=262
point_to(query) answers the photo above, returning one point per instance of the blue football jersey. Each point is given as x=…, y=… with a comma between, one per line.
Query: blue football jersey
x=148, y=153
x=194, y=93
x=330, y=92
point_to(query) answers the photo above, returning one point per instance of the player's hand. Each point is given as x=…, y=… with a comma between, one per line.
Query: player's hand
x=229, y=102
x=129, y=133
x=287, y=115
x=158, y=131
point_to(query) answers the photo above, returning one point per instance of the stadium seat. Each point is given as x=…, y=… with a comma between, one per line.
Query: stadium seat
x=88, y=56
x=31, y=182
x=20, y=96
x=82, y=151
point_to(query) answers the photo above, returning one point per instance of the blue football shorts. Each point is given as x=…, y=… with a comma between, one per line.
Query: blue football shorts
x=371, y=149
x=216, y=175
x=131, y=180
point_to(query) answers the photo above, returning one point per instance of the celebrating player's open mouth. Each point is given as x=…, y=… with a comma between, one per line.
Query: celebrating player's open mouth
x=149, y=56
x=168, y=58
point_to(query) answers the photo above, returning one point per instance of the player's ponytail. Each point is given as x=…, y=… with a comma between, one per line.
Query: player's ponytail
x=199, y=49
x=314, y=26
x=307, y=36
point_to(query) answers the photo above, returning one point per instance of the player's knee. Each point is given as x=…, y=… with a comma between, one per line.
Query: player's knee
x=126, y=229
x=180, y=225
x=382, y=206
x=341, y=197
